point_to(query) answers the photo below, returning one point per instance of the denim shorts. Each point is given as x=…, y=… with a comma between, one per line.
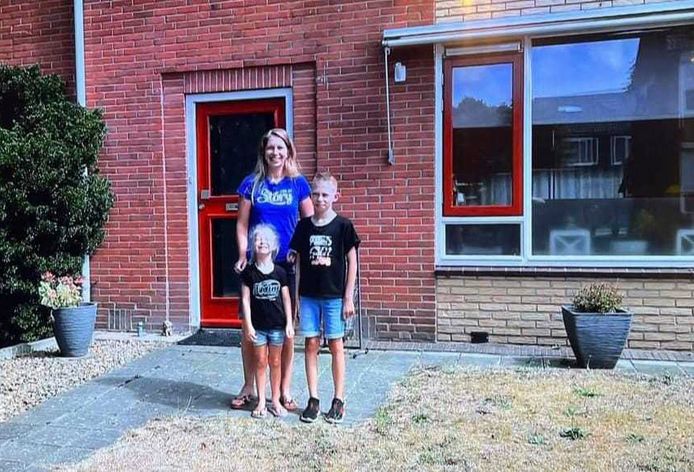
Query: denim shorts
x=315, y=313
x=273, y=337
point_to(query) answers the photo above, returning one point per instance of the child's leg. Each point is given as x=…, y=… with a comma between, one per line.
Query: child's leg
x=287, y=368
x=260, y=368
x=334, y=332
x=309, y=328
x=338, y=353
x=311, y=361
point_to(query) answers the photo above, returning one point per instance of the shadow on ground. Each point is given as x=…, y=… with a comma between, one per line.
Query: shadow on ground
x=213, y=337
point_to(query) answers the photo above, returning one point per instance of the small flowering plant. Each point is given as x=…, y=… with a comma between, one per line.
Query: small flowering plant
x=60, y=292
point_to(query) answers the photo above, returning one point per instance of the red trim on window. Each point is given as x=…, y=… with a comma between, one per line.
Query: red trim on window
x=516, y=207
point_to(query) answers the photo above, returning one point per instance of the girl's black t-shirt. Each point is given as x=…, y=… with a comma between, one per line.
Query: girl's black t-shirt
x=267, y=309
x=322, y=251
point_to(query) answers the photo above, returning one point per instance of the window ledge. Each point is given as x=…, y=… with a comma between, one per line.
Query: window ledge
x=609, y=272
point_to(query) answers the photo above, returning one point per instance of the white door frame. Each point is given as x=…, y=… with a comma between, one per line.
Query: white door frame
x=192, y=177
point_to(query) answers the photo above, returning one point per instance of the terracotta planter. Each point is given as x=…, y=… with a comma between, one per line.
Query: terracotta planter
x=73, y=328
x=597, y=339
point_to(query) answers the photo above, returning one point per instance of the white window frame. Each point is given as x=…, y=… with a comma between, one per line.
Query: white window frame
x=587, y=144
x=526, y=259
x=613, y=149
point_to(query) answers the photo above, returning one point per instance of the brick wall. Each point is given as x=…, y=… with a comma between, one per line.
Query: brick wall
x=40, y=33
x=526, y=310
x=143, y=58
x=467, y=10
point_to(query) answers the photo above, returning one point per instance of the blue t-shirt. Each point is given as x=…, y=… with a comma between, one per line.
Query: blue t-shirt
x=276, y=204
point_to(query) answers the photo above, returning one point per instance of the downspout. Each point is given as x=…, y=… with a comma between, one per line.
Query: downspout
x=81, y=90
x=391, y=156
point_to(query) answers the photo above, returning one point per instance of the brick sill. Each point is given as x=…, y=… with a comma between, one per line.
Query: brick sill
x=605, y=272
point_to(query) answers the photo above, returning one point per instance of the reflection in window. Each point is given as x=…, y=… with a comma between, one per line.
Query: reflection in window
x=482, y=122
x=483, y=240
x=612, y=140
x=580, y=152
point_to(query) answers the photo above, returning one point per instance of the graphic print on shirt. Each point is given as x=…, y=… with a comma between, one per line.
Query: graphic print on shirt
x=320, y=250
x=281, y=197
x=266, y=290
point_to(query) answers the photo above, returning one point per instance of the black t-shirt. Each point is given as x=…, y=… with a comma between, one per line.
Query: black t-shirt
x=267, y=309
x=322, y=251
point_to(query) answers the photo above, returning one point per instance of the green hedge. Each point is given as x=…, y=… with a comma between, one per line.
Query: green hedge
x=51, y=212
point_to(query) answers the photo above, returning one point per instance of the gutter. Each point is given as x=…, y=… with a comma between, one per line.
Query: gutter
x=81, y=92
x=616, y=18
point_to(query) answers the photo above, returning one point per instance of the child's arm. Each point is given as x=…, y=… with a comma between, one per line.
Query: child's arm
x=348, y=299
x=297, y=276
x=287, y=303
x=248, y=329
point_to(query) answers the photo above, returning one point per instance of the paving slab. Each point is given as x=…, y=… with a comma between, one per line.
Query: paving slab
x=201, y=380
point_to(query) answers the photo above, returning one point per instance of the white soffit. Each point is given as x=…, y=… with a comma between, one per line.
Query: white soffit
x=671, y=13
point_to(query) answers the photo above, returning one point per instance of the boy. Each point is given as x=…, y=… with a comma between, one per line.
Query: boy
x=325, y=248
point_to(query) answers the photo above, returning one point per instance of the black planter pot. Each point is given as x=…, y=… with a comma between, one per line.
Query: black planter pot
x=73, y=328
x=597, y=339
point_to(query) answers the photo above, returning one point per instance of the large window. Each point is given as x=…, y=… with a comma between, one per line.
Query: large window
x=483, y=135
x=611, y=133
x=610, y=164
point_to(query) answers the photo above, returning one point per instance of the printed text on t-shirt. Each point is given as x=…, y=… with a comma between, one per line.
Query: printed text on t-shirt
x=266, y=290
x=320, y=249
x=280, y=197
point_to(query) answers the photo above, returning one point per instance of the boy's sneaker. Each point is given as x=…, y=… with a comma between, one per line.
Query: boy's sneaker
x=337, y=411
x=310, y=414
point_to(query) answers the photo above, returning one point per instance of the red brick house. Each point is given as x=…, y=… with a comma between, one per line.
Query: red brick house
x=493, y=154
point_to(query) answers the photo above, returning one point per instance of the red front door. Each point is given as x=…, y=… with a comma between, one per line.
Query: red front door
x=227, y=139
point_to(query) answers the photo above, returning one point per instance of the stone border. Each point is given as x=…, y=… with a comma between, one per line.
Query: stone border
x=27, y=348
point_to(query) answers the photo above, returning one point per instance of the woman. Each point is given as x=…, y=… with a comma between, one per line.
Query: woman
x=277, y=194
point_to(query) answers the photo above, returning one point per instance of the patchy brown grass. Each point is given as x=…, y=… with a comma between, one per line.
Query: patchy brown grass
x=447, y=419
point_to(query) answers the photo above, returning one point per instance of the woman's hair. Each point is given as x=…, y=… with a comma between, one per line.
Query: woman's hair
x=271, y=236
x=291, y=165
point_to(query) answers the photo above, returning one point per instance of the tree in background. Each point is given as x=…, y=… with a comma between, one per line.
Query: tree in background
x=52, y=212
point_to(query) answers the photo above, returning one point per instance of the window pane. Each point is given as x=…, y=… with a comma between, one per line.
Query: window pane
x=482, y=134
x=225, y=281
x=483, y=240
x=613, y=142
x=234, y=148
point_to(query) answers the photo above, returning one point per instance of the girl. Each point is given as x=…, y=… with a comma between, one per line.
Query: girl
x=277, y=194
x=267, y=320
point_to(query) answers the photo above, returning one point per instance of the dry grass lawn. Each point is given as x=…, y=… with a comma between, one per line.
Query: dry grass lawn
x=447, y=419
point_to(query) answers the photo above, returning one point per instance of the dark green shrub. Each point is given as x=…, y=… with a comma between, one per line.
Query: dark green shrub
x=51, y=212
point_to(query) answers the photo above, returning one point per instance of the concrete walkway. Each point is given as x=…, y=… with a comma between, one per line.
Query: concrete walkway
x=199, y=380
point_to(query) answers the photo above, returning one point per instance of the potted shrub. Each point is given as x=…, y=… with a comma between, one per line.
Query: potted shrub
x=73, y=320
x=597, y=326
x=54, y=203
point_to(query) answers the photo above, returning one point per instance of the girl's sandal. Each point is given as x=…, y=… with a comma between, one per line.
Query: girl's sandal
x=288, y=404
x=259, y=414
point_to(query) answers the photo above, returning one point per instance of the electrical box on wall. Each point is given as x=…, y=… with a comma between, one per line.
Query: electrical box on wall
x=400, y=72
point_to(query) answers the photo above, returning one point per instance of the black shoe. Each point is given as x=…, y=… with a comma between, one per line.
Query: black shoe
x=311, y=412
x=337, y=411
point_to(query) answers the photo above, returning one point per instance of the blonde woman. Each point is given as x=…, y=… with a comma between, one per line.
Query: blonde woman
x=276, y=194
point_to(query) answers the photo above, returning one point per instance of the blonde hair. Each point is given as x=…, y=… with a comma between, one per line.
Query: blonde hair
x=291, y=165
x=271, y=236
x=324, y=176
